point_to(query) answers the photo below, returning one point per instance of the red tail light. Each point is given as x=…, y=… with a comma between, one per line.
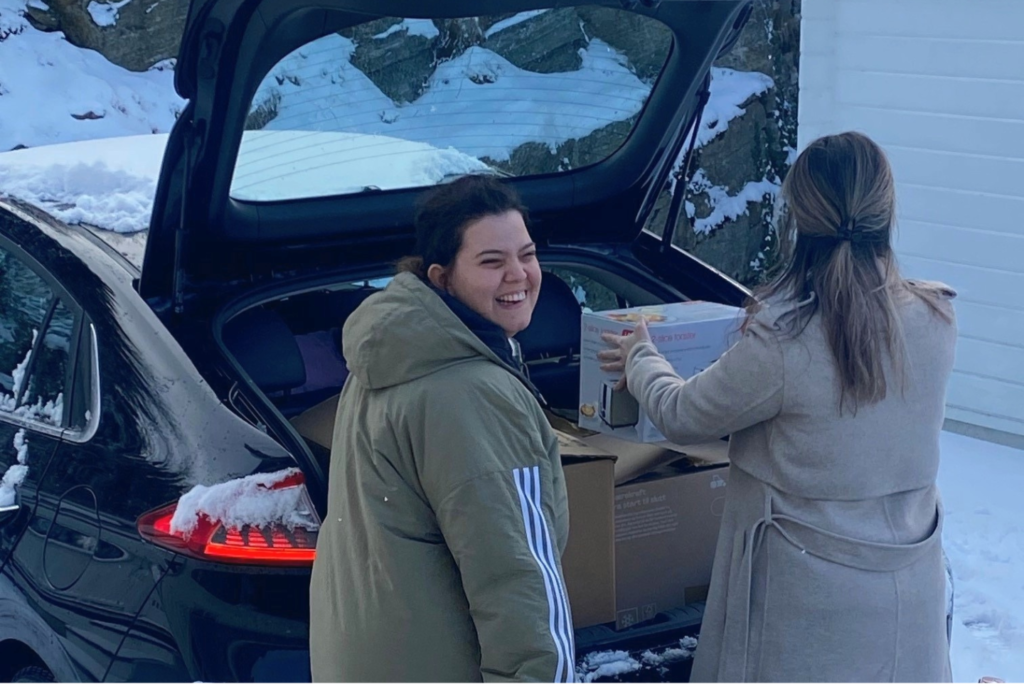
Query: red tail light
x=267, y=544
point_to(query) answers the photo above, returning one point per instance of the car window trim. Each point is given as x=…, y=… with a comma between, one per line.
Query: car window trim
x=62, y=295
x=36, y=346
x=83, y=435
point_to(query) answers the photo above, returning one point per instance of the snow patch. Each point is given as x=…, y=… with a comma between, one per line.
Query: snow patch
x=111, y=183
x=983, y=535
x=39, y=5
x=19, y=371
x=55, y=92
x=546, y=108
x=105, y=14
x=730, y=89
x=246, y=501
x=512, y=21
x=687, y=645
x=791, y=155
x=413, y=27
x=21, y=446
x=726, y=207
x=606, y=664
x=304, y=164
x=12, y=22
x=15, y=474
x=105, y=183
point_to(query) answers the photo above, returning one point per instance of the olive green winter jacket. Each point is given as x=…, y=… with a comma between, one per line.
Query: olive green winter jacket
x=439, y=559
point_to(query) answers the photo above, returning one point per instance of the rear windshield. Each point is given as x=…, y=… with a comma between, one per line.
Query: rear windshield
x=400, y=103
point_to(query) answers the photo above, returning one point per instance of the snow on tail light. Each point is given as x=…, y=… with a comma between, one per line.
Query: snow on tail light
x=262, y=519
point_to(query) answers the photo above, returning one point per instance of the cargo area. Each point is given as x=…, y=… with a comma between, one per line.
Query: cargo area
x=644, y=516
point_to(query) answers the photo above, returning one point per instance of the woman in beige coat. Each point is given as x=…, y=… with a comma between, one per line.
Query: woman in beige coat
x=829, y=564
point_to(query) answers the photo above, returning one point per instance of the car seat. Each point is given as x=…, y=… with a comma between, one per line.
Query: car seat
x=551, y=343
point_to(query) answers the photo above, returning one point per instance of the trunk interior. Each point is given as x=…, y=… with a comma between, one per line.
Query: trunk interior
x=298, y=366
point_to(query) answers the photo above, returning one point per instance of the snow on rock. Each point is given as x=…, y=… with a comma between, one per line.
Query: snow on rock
x=730, y=89
x=414, y=27
x=15, y=474
x=726, y=207
x=606, y=664
x=497, y=27
x=249, y=500
x=546, y=108
x=53, y=92
x=461, y=94
x=105, y=13
x=51, y=411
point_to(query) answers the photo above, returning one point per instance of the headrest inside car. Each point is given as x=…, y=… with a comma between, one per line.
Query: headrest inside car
x=266, y=349
x=554, y=329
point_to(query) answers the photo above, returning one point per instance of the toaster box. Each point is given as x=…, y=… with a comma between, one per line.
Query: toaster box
x=691, y=336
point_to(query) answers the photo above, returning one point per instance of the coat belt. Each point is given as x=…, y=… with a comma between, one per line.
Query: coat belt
x=835, y=548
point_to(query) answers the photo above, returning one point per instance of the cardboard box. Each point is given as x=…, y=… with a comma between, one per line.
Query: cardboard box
x=668, y=503
x=627, y=557
x=666, y=533
x=691, y=335
x=634, y=459
x=588, y=564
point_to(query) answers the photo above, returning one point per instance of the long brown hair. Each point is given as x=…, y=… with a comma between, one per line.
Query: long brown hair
x=837, y=222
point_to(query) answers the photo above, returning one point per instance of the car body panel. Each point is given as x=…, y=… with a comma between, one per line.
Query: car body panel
x=80, y=563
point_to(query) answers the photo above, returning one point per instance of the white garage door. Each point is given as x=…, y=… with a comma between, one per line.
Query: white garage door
x=940, y=84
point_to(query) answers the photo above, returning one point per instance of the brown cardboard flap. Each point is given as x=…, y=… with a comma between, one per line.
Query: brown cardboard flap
x=572, y=450
x=566, y=426
x=317, y=424
x=638, y=458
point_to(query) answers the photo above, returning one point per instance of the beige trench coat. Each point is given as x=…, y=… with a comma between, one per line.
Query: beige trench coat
x=829, y=564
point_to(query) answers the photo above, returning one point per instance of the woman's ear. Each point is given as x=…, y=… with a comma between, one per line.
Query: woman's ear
x=437, y=276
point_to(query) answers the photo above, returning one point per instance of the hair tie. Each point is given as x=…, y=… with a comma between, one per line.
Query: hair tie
x=846, y=232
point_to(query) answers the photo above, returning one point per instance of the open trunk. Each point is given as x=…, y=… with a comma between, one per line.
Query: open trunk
x=288, y=185
x=288, y=344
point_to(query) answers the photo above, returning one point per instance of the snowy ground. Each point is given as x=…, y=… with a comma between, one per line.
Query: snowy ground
x=983, y=490
x=982, y=486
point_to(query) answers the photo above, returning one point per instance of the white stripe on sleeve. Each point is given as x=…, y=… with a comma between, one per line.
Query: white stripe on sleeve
x=539, y=540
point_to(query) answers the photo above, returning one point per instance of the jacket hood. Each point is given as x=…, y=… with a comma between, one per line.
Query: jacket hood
x=406, y=332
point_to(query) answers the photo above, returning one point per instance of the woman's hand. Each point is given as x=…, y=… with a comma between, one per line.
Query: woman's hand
x=614, y=359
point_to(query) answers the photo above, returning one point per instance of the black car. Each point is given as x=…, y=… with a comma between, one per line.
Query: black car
x=131, y=402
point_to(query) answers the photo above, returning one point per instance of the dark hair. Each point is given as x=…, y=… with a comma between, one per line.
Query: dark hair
x=836, y=235
x=444, y=213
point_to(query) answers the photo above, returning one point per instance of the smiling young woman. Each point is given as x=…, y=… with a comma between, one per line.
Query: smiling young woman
x=439, y=559
x=496, y=272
